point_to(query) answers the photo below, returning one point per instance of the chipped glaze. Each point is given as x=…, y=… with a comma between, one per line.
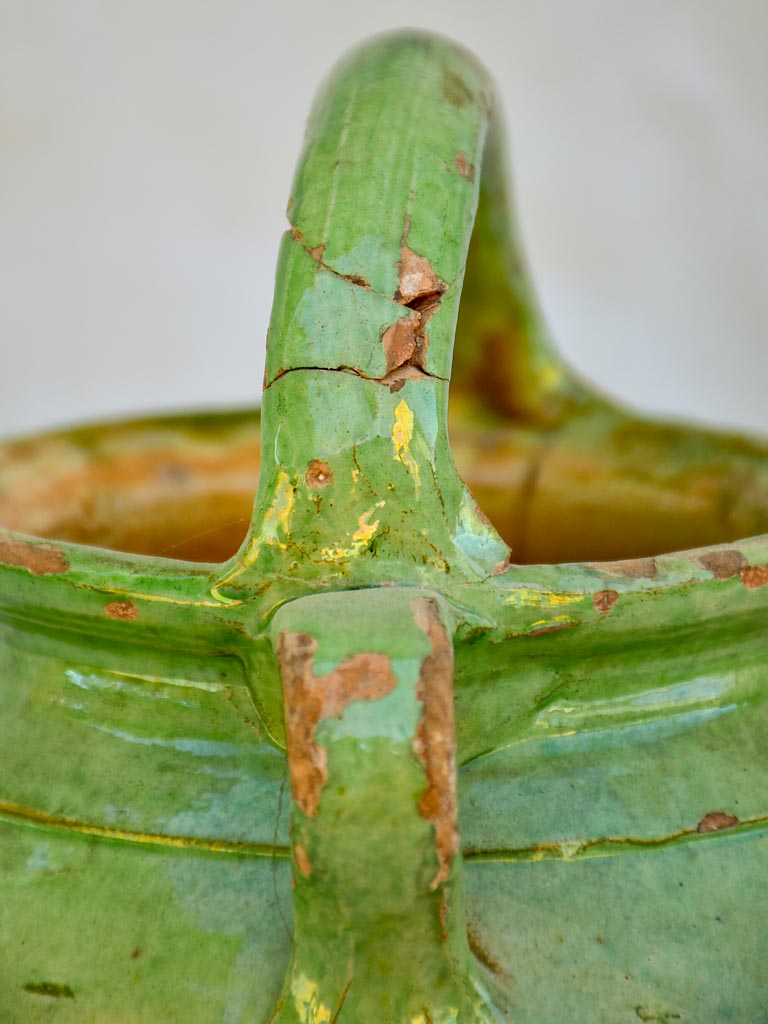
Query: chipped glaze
x=358, y=762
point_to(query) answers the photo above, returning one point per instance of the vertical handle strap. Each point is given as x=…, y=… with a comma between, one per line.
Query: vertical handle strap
x=379, y=929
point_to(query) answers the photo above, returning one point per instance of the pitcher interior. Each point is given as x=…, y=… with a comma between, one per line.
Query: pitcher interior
x=604, y=487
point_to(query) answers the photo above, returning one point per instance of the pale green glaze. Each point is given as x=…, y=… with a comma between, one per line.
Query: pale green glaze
x=604, y=712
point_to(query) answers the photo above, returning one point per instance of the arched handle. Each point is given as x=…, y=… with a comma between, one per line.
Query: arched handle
x=356, y=464
x=382, y=208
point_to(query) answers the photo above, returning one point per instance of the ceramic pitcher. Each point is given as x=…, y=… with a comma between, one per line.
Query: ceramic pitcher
x=436, y=734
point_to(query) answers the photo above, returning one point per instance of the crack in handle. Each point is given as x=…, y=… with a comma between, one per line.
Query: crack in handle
x=390, y=186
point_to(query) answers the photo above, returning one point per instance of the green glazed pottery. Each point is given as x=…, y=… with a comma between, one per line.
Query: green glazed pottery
x=421, y=741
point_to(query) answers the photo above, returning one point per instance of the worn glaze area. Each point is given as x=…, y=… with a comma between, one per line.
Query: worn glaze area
x=345, y=756
x=602, y=485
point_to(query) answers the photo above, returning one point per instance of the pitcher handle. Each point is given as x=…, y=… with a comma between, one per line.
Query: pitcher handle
x=401, y=152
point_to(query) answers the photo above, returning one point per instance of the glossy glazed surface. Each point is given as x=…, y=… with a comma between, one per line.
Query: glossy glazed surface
x=609, y=715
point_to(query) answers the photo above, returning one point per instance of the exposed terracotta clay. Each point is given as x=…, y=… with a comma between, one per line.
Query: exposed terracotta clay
x=125, y=610
x=755, y=576
x=716, y=821
x=400, y=341
x=40, y=559
x=464, y=167
x=310, y=698
x=632, y=568
x=319, y=475
x=417, y=278
x=604, y=600
x=303, y=862
x=724, y=563
x=435, y=742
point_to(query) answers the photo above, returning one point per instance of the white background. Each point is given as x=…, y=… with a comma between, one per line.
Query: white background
x=147, y=147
